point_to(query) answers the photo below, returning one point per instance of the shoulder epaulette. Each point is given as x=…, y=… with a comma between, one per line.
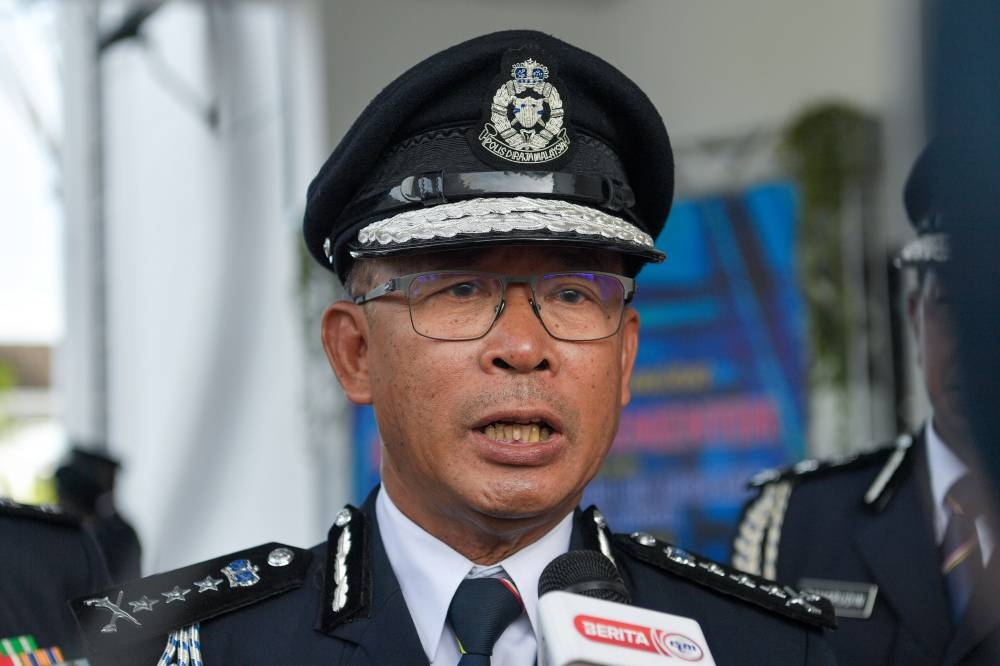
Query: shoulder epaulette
x=782, y=599
x=812, y=468
x=49, y=513
x=171, y=604
x=755, y=549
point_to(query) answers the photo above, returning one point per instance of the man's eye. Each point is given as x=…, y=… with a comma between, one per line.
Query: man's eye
x=463, y=290
x=570, y=296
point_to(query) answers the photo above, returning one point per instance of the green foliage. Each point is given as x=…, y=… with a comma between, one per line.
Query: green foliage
x=828, y=149
x=8, y=380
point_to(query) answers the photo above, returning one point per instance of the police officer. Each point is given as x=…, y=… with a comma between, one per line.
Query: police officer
x=85, y=484
x=46, y=557
x=901, y=539
x=487, y=214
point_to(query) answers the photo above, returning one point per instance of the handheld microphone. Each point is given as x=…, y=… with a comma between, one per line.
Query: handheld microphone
x=585, y=619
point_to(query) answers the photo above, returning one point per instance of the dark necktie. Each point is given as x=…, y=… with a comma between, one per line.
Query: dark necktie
x=480, y=611
x=962, y=563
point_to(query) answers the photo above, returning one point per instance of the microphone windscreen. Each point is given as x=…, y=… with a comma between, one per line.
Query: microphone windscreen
x=585, y=572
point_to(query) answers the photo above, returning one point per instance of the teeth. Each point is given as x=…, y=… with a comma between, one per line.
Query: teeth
x=522, y=432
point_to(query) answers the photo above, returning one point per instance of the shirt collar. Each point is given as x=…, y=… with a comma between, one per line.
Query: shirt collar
x=945, y=469
x=429, y=571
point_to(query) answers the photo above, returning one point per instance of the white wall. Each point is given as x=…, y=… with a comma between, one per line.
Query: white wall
x=204, y=337
x=712, y=67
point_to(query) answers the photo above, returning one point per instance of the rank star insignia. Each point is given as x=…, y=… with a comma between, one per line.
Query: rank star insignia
x=176, y=594
x=208, y=584
x=525, y=117
x=143, y=604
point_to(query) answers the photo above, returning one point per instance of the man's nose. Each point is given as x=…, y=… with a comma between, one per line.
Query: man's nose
x=518, y=342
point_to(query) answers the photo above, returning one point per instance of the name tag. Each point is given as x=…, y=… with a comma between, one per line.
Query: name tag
x=849, y=599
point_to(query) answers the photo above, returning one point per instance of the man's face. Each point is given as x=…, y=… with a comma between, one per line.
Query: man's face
x=931, y=311
x=448, y=411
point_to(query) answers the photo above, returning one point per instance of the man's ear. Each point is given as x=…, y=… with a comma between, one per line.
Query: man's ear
x=630, y=346
x=345, y=340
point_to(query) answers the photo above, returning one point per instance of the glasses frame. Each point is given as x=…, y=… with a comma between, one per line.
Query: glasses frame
x=402, y=284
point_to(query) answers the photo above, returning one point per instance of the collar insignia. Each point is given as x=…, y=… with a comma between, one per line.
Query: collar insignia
x=348, y=591
x=524, y=119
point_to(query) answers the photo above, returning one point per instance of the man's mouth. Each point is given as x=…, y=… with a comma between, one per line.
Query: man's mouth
x=510, y=431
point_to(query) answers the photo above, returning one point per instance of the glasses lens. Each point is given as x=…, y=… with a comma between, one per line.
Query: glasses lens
x=453, y=306
x=580, y=306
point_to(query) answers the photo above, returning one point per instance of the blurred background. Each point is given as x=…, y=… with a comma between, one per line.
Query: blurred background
x=157, y=309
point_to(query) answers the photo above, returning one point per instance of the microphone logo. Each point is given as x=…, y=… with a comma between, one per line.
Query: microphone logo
x=638, y=637
x=678, y=645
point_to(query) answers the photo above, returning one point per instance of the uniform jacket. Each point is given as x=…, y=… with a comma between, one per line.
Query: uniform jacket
x=47, y=558
x=869, y=520
x=373, y=626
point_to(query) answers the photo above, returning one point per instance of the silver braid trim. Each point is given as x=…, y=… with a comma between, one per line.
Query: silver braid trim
x=934, y=248
x=782, y=493
x=340, y=570
x=755, y=549
x=183, y=647
x=500, y=215
x=602, y=538
x=749, y=543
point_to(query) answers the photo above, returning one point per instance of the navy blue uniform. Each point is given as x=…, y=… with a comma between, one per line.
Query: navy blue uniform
x=742, y=624
x=868, y=521
x=47, y=558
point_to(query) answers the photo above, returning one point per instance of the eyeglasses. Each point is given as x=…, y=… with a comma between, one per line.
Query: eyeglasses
x=464, y=305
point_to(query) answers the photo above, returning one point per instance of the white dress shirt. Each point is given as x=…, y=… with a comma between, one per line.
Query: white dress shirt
x=945, y=469
x=429, y=572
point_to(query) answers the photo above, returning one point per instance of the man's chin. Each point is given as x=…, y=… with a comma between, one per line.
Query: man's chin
x=525, y=506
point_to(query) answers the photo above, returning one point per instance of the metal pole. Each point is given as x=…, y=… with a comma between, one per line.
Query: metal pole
x=83, y=367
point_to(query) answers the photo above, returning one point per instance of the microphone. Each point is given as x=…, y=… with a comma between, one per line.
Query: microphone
x=585, y=572
x=586, y=618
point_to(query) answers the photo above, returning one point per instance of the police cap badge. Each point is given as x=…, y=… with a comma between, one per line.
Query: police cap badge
x=513, y=137
x=952, y=186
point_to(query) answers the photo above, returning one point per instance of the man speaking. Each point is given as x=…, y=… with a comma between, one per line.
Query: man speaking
x=487, y=214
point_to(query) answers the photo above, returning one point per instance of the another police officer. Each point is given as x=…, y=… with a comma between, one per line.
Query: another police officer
x=901, y=539
x=488, y=213
x=46, y=557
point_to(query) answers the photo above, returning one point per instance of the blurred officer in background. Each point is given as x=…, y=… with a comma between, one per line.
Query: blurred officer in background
x=488, y=213
x=902, y=539
x=85, y=484
x=46, y=557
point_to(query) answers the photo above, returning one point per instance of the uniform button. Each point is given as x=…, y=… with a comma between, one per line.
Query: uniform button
x=280, y=557
x=643, y=539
